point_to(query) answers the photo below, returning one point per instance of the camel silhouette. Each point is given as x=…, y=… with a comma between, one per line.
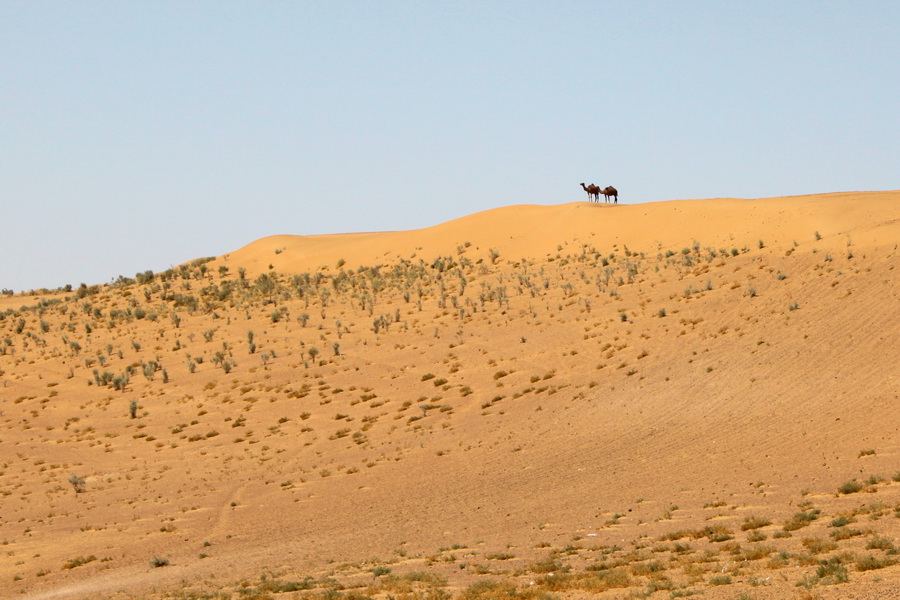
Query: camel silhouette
x=593, y=192
x=607, y=192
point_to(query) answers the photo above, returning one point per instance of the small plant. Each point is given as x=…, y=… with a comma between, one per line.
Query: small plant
x=133, y=408
x=756, y=536
x=851, y=487
x=818, y=545
x=77, y=562
x=870, y=563
x=754, y=522
x=880, y=543
x=801, y=520
x=868, y=452
x=842, y=521
x=845, y=533
x=78, y=483
x=159, y=561
x=831, y=572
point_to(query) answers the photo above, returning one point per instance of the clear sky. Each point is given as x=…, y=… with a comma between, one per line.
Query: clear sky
x=139, y=135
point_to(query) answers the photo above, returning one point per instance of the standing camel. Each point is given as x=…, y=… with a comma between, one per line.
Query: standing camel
x=593, y=192
x=607, y=192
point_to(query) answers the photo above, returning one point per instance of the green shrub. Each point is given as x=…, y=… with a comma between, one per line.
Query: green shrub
x=802, y=519
x=851, y=487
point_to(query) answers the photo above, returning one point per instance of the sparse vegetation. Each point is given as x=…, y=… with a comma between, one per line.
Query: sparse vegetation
x=317, y=430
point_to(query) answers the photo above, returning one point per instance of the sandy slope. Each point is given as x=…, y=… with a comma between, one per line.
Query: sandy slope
x=534, y=231
x=575, y=383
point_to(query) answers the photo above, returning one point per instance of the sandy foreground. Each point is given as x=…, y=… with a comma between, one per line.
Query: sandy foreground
x=685, y=398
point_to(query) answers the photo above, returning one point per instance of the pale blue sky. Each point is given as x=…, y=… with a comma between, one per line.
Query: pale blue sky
x=138, y=135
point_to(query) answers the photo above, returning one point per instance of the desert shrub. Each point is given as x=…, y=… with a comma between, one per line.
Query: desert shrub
x=758, y=552
x=756, y=536
x=754, y=522
x=78, y=483
x=647, y=568
x=77, y=562
x=801, y=520
x=831, y=572
x=818, y=545
x=841, y=521
x=870, y=563
x=851, y=487
x=499, y=590
x=547, y=565
x=159, y=561
x=714, y=533
x=880, y=543
x=845, y=533
x=608, y=579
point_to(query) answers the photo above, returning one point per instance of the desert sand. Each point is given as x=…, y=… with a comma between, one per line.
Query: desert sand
x=692, y=397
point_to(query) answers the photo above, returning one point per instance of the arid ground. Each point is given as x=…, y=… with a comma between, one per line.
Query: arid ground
x=685, y=398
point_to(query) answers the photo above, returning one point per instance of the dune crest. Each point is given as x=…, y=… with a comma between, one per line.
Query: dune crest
x=532, y=231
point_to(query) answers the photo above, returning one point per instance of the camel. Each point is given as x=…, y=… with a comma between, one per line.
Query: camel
x=607, y=192
x=593, y=192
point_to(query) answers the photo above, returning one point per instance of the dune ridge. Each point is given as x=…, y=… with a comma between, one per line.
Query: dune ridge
x=572, y=401
x=532, y=231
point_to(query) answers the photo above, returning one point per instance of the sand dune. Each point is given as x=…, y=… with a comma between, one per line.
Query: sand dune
x=584, y=400
x=534, y=232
